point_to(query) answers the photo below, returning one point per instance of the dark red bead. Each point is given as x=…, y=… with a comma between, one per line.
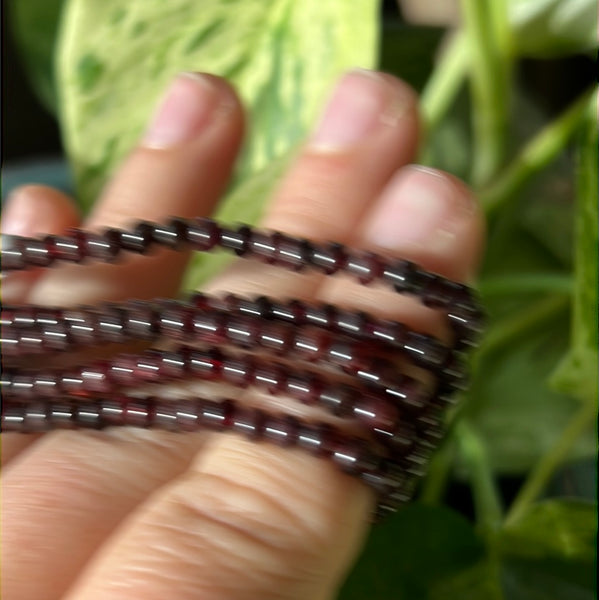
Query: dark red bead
x=247, y=422
x=236, y=240
x=81, y=326
x=69, y=249
x=242, y=331
x=215, y=415
x=47, y=384
x=87, y=415
x=36, y=417
x=174, y=320
x=163, y=415
x=95, y=378
x=138, y=413
x=262, y=246
x=203, y=234
x=103, y=247
x=376, y=413
x=238, y=371
x=275, y=336
x=302, y=387
x=173, y=365
x=400, y=276
x=365, y=267
x=281, y=431
x=290, y=252
x=209, y=328
x=328, y=258
x=187, y=415
x=206, y=365
x=37, y=253
x=110, y=325
x=336, y=399
x=13, y=256
x=62, y=416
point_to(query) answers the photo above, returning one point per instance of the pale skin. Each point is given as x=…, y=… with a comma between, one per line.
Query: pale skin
x=124, y=515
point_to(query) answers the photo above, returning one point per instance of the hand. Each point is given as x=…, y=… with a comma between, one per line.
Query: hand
x=131, y=514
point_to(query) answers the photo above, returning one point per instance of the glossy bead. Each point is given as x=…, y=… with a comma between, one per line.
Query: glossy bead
x=365, y=267
x=110, y=326
x=290, y=252
x=163, y=415
x=400, y=276
x=172, y=235
x=262, y=246
x=376, y=413
x=103, y=247
x=70, y=249
x=281, y=431
x=87, y=415
x=203, y=234
x=81, y=326
x=206, y=366
x=137, y=240
x=62, y=416
x=13, y=257
x=187, y=415
x=236, y=240
x=37, y=253
x=214, y=415
x=327, y=258
x=248, y=422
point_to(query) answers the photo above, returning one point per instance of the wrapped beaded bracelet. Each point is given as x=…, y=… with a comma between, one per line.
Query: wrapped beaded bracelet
x=347, y=363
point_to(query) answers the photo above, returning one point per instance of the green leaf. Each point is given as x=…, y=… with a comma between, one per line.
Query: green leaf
x=550, y=552
x=410, y=552
x=514, y=411
x=35, y=26
x=545, y=28
x=564, y=529
x=577, y=374
x=117, y=58
x=480, y=582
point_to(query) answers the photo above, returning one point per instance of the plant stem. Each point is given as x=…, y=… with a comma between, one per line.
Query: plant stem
x=542, y=473
x=445, y=81
x=489, y=513
x=525, y=283
x=435, y=484
x=535, y=155
x=486, y=34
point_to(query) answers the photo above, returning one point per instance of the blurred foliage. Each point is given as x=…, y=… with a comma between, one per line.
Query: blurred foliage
x=539, y=272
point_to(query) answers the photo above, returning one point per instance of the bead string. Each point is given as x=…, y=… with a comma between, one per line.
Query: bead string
x=399, y=420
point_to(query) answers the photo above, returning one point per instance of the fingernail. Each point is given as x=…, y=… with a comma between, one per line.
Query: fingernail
x=419, y=207
x=17, y=215
x=359, y=104
x=183, y=112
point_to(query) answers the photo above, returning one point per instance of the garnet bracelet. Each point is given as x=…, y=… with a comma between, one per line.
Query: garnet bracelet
x=387, y=384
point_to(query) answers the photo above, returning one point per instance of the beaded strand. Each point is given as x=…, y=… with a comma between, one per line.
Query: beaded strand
x=400, y=419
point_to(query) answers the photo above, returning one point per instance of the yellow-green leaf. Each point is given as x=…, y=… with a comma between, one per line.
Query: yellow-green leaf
x=116, y=58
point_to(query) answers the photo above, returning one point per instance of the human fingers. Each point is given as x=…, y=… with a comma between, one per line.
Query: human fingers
x=368, y=129
x=247, y=520
x=31, y=210
x=83, y=490
x=180, y=168
x=53, y=492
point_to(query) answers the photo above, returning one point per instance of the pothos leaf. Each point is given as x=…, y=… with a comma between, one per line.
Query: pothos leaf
x=410, y=552
x=116, y=59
